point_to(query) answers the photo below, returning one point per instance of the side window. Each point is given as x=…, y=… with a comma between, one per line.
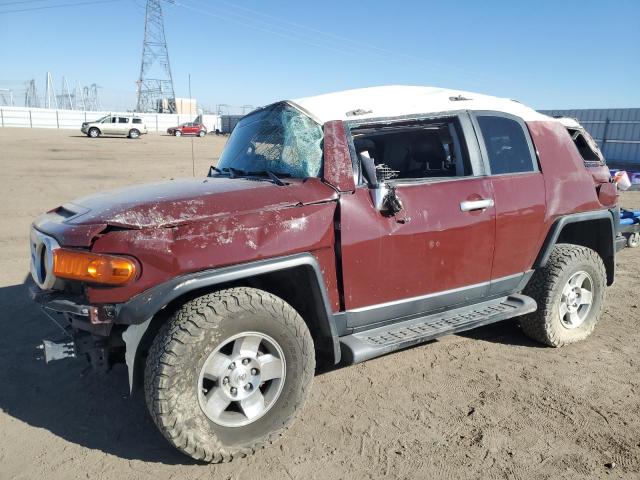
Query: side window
x=414, y=151
x=506, y=144
x=137, y=120
x=123, y=120
x=108, y=120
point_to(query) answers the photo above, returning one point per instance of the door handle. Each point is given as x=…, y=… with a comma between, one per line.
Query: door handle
x=471, y=205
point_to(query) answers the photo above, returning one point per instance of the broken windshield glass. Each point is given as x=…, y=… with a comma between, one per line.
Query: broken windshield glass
x=279, y=139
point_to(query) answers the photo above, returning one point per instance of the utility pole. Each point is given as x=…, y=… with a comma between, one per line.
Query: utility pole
x=155, y=84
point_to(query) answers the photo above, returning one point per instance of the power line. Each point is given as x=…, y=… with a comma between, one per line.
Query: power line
x=21, y=1
x=336, y=43
x=61, y=5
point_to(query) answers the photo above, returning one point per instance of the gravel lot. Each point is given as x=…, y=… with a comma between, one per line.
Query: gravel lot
x=486, y=404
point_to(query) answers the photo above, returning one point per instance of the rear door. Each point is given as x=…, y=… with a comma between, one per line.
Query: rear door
x=519, y=194
x=437, y=251
x=123, y=125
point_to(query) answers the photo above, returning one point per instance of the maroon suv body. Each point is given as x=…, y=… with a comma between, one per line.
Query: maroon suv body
x=382, y=217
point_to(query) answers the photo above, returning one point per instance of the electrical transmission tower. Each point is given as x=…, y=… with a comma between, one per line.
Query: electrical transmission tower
x=65, y=99
x=50, y=99
x=31, y=98
x=155, y=85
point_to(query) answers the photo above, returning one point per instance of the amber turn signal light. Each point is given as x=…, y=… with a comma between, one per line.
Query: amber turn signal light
x=91, y=267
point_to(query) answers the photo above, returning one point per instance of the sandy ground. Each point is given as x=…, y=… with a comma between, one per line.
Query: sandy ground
x=487, y=404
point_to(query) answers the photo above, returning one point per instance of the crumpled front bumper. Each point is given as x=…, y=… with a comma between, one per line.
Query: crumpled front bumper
x=80, y=336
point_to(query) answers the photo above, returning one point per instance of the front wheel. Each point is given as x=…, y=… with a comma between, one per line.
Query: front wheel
x=228, y=372
x=94, y=132
x=569, y=291
x=177, y=133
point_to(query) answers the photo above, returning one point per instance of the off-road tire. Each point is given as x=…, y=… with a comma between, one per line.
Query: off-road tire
x=182, y=345
x=93, y=132
x=545, y=287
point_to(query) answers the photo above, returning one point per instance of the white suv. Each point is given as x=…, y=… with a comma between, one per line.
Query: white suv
x=130, y=126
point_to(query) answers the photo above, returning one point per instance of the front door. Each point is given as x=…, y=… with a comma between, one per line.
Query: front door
x=437, y=250
x=109, y=125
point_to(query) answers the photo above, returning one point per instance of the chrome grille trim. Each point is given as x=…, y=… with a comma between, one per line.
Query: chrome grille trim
x=42, y=247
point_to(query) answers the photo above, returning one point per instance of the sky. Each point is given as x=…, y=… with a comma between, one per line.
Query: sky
x=547, y=54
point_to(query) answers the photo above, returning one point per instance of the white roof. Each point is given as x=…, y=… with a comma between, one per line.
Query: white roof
x=398, y=100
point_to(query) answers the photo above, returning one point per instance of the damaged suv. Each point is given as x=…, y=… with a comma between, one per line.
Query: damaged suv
x=334, y=229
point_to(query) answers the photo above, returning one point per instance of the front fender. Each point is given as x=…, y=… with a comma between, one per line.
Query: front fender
x=141, y=309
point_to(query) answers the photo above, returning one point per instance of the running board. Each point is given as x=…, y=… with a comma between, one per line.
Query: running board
x=372, y=343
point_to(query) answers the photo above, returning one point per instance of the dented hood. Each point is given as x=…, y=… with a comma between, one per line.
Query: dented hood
x=178, y=202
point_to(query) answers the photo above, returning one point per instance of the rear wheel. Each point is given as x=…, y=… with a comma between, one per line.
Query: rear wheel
x=228, y=372
x=633, y=240
x=94, y=132
x=570, y=293
x=134, y=133
x=202, y=133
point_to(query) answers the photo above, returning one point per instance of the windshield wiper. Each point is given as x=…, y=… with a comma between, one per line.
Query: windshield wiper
x=234, y=172
x=272, y=175
x=213, y=170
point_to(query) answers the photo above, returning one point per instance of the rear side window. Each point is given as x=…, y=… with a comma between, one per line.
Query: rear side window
x=137, y=120
x=506, y=144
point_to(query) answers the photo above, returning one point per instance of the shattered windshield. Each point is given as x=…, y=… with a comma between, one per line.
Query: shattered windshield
x=280, y=139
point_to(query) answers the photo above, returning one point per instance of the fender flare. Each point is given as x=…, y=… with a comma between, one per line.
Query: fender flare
x=561, y=222
x=139, y=311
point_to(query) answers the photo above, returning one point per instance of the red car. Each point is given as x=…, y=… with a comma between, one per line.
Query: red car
x=333, y=229
x=189, y=128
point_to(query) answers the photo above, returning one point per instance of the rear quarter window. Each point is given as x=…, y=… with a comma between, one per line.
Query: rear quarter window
x=137, y=120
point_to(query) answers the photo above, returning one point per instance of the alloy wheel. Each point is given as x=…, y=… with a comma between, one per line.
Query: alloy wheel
x=242, y=379
x=576, y=300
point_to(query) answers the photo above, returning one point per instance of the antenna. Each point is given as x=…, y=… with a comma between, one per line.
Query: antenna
x=155, y=84
x=193, y=160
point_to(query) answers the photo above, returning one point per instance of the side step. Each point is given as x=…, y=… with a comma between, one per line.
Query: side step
x=368, y=344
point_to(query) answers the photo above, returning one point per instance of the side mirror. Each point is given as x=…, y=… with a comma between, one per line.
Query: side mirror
x=385, y=199
x=383, y=195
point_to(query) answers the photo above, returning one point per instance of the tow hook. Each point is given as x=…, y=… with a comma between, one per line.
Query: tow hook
x=57, y=350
